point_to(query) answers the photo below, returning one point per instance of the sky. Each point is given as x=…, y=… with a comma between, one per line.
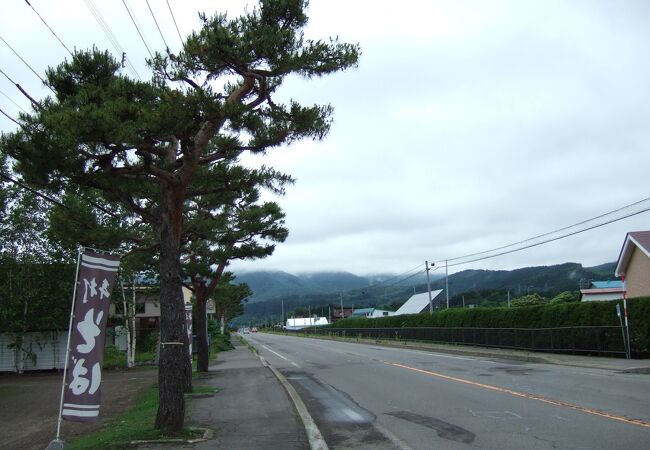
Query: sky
x=467, y=126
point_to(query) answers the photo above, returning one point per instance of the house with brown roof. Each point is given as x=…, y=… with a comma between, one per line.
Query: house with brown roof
x=634, y=263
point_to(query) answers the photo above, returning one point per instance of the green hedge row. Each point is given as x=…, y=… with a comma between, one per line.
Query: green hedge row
x=541, y=316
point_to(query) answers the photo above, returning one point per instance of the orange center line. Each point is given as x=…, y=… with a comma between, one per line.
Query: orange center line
x=490, y=387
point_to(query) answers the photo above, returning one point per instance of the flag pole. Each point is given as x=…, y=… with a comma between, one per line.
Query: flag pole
x=57, y=443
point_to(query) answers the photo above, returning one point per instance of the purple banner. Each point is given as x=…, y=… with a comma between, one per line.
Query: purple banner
x=95, y=282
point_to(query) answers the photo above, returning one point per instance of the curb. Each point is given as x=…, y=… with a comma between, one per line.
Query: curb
x=316, y=440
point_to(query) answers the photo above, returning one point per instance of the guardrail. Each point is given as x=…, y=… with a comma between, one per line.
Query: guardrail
x=601, y=340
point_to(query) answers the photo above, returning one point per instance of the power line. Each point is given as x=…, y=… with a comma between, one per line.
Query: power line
x=404, y=279
x=609, y=213
x=27, y=64
x=12, y=101
x=9, y=117
x=24, y=186
x=399, y=275
x=53, y=200
x=175, y=24
x=49, y=28
x=157, y=26
x=552, y=239
x=99, y=18
x=35, y=104
x=144, y=41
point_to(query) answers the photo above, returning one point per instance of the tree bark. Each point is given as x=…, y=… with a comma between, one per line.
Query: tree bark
x=202, y=293
x=202, y=362
x=174, y=359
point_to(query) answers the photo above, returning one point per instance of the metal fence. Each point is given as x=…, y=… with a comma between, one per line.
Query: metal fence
x=605, y=340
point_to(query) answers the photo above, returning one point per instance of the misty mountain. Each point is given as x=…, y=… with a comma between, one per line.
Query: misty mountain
x=267, y=285
x=272, y=289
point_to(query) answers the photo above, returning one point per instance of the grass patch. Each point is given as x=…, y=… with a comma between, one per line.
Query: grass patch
x=247, y=344
x=136, y=424
x=115, y=358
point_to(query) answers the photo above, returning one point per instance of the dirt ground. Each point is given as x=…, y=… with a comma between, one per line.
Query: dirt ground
x=29, y=405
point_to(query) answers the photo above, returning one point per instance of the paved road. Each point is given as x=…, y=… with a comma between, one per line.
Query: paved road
x=366, y=396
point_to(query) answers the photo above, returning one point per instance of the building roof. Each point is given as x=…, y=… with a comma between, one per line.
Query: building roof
x=634, y=239
x=602, y=291
x=610, y=284
x=417, y=303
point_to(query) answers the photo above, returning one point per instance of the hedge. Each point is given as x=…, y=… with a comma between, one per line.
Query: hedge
x=540, y=316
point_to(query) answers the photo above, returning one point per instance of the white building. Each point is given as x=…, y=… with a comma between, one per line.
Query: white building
x=372, y=313
x=304, y=322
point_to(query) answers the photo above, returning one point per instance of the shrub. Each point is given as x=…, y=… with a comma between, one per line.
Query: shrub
x=551, y=315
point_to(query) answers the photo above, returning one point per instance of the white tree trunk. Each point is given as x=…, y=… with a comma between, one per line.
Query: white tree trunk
x=133, y=333
x=125, y=311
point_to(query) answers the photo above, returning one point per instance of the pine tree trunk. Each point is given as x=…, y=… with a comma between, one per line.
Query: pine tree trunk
x=172, y=370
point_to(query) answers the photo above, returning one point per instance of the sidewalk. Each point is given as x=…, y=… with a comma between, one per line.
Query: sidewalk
x=251, y=410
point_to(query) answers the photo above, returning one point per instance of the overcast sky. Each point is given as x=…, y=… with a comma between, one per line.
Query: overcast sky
x=469, y=125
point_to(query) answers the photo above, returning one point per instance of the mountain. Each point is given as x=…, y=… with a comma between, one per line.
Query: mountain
x=545, y=280
x=268, y=285
x=273, y=291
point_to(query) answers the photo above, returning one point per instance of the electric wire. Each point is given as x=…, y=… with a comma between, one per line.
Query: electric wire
x=404, y=279
x=40, y=194
x=552, y=239
x=9, y=117
x=157, y=26
x=27, y=64
x=12, y=101
x=609, y=213
x=175, y=24
x=53, y=200
x=49, y=28
x=399, y=275
x=137, y=29
x=99, y=18
x=34, y=103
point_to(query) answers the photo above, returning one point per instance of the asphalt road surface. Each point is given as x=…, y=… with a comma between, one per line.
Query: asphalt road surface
x=366, y=396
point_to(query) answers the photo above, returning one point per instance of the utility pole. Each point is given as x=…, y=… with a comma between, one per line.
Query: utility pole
x=463, y=302
x=447, y=283
x=341, y=316
x=627, y=325
x=508, y=298
x=282, y=320
x=426, y=267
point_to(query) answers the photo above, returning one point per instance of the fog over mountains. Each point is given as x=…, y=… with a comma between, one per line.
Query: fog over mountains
x=271, y=289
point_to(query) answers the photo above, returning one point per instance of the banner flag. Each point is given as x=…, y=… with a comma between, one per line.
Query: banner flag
x=95, y=280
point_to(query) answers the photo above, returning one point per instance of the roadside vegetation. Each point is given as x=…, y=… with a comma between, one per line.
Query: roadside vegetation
x=547, y=315
x=138, y=423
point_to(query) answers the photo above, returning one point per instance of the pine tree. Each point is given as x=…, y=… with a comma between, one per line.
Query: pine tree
x=141, y=144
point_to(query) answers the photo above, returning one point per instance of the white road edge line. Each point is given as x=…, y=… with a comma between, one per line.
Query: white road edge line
x=315, y=437
x=275, y=353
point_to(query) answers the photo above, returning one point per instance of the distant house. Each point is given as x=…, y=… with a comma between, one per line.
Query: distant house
x=371, y=312
x=602, y=291
x=147, y=312
x=337, y=315
x=634, y=263
x=418, y=303
x=304, y=322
